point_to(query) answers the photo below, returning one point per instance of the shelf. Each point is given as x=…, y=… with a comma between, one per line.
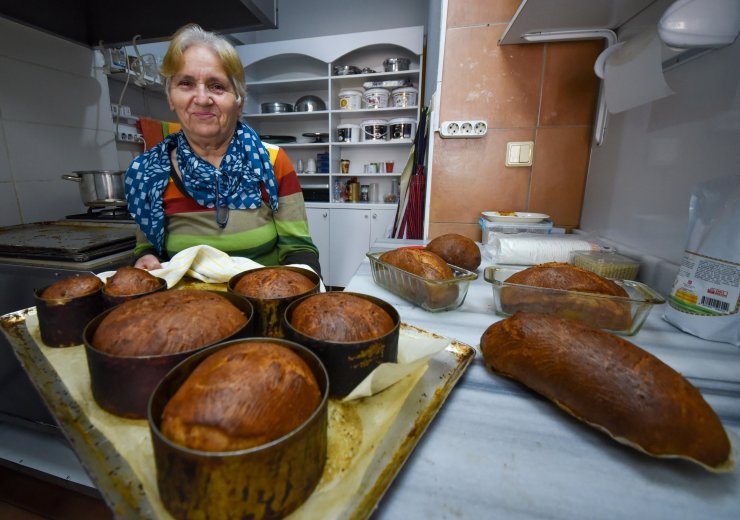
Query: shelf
x=133, y=79
x=393, y=142
x=289, y=116
x=378, y=113
x=287, y=85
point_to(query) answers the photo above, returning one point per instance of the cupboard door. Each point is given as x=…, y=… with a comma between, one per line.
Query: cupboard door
x=318, y=226
x=350, y=232
x=381, y=224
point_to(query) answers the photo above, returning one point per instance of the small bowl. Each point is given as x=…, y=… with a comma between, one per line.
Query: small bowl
x=430, y=295
x=268, y=312
x=62, y=321
x=122, y=385
x=267, y=481
x=615, y=314
x=348, y=362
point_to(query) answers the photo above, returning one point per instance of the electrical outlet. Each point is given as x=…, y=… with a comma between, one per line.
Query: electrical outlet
x=130, y=137
x=463, y=129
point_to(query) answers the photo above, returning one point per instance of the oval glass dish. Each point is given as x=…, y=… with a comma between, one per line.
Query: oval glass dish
x=615, y=314
x=431, y=295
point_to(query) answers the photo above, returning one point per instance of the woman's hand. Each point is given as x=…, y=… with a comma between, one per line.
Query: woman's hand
x=148, y=262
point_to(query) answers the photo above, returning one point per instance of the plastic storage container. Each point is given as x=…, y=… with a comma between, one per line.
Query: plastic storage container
x=348, y=133
x=374, y=130
x=431, y=295
x=606, y=264
x=405, y=97
x=613, y=313
x=377, y=98
x=350, y=99
x=402, y=128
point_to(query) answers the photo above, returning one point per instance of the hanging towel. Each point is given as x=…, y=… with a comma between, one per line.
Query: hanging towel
x=151, y=129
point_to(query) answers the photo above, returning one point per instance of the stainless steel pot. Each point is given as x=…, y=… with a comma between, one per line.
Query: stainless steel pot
x=100, y=188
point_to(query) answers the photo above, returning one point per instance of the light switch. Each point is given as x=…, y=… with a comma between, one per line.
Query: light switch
x=519, y=153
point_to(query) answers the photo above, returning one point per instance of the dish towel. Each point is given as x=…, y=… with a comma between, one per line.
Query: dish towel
x=207, y=264
x=151, y=129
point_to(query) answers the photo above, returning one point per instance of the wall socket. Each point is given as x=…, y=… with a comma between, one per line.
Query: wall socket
x=130, y=137
x=463, y=129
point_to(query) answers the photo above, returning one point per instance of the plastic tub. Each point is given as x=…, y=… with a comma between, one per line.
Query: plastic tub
x=405, y=97
x=615, y=314
x=374, y=130
x=431, y=295
x=350, y=99
x=348, y=133
x=402, y=129
x=377, y=98
x=606, y=264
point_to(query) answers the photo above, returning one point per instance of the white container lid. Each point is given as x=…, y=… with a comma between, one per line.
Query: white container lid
x=405, y=90
x=348, y=125
x=349, y=92
x=381, y=91
x=401, y=120
x=374, y=122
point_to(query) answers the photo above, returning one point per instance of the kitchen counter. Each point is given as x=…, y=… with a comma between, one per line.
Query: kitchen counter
x=497, y=450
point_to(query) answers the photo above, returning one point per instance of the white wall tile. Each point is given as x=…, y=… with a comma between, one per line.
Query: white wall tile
x=5, y=173
x=45, y=152
x=49, y=200
x=9, y=211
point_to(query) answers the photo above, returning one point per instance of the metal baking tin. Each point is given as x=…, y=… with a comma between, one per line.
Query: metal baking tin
x=111, y=300
x=267, y=481
x=122, y=385
x=268, y=312
x=63, y=320
x=348, y=362
x=129, y=497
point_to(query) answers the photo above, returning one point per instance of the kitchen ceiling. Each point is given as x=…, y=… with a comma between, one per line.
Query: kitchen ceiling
x=89, y=22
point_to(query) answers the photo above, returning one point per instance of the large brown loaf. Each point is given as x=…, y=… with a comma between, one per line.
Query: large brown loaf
x=167, y=322
x=72, y=287
x=457, y=250
x=127, y=281
x=242, y=396
x=599, y=312
x=337, y=316
x=609, y=383
x=271, y=283
x=427, y=265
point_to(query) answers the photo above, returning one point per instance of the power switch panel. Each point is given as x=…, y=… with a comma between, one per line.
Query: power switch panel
x=463, y=129
x=519, y=153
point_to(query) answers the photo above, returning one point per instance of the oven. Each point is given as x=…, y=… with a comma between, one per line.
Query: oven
x=38, y=254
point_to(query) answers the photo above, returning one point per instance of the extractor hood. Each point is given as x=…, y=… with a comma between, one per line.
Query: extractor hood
x=90, y=22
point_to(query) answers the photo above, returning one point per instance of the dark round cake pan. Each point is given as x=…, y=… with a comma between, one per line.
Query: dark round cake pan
x=268, y=312
x=111, y=300
x=122, y=385
x=267, y=481
x=349, y=362
x=62, y=321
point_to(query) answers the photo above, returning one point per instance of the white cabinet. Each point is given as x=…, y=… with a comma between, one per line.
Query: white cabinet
x=285, y=71
x=344, y=235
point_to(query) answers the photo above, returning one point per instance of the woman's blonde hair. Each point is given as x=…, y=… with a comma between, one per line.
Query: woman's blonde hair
x=193, y=34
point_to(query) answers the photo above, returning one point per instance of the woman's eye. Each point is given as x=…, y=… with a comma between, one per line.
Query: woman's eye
x=184, y=83
x=217, y=88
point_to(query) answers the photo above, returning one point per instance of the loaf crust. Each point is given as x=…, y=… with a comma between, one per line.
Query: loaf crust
x=167, y=322
x=242, y=396
x=598, y=312
x=337, y=316
x=609, y=383
x=420, y=262
x=427, y=265
x=273, y=283
x=72, y=287
x=457, y=250
x=128, y=281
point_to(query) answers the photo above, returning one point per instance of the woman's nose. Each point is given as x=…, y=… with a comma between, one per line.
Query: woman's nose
x=202, y=95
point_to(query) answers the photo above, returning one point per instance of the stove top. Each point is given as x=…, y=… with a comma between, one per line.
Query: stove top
x=109, y=214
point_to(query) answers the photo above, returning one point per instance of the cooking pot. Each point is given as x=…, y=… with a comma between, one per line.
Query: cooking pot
x=100, y=187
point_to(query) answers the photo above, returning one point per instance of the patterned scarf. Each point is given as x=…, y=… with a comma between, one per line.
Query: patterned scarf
x=236, y=184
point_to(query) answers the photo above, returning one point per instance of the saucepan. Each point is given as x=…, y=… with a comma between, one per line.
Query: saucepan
x=100, y=187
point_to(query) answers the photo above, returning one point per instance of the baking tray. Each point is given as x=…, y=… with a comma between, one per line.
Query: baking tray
x=65, y=240
x=130, y=489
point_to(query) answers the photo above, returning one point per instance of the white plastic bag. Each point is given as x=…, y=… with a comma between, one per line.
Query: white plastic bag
x=705, y=298
x=534, y=248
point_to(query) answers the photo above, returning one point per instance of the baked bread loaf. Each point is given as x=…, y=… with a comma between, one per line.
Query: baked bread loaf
x=127, y=281
x=72, y=287
x=338, y=316
x=272, y=283
x=598, y=312
x=167, y=322
x=420, y=262
x=426, y=264
x=457, y=250
x=609, y=383
x=242, y=396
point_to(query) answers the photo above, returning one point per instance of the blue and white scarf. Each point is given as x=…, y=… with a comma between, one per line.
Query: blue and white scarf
x=245, y=165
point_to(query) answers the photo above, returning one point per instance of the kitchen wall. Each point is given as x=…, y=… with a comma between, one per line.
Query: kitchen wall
x=544, y=93
x=640, y=179
x=54, y=119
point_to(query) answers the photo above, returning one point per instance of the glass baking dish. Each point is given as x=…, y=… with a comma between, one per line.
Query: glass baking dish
x=615, y=314
x=431, y=295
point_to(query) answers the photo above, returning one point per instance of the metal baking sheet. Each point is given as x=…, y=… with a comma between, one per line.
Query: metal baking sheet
x=63, y=240
x=130, y=494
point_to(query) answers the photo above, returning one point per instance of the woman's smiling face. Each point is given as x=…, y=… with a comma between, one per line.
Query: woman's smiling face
x=204, y=99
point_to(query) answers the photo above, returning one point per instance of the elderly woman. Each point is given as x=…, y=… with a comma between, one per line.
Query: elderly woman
x=215, y=182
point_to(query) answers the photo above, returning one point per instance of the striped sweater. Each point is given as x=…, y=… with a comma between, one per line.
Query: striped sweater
x=265, y=237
